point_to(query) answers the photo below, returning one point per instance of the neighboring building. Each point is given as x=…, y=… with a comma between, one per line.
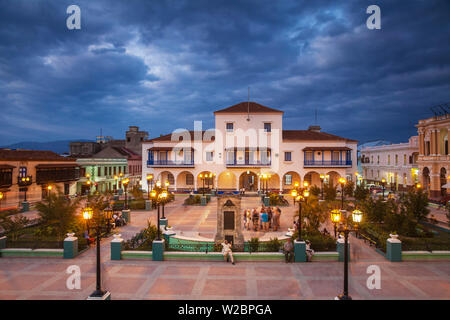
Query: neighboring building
x=40, y=169
x=434, y=159
x=248, y=141
x=133, y=141
x=102, y=168
x=396, y=163
x=374, y=143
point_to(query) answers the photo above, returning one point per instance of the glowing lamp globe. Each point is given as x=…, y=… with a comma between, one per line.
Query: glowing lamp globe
x=335, y=216
x=357, y=216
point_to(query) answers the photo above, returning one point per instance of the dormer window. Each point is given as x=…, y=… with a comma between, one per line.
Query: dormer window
x=267, y=127
x=229, y=126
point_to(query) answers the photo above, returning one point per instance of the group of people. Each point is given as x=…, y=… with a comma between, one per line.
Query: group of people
x=263, y=219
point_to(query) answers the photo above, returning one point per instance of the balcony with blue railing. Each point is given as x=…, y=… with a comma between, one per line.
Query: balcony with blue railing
x=171, y=163
x=327, y=163
x=256, y=163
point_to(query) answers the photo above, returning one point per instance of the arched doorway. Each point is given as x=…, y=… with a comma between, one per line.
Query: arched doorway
x=333, y=178
x=185, y=181
x=226, y=181
x=443, y=181
x=166, y=176
x=205, y=180
x=290, y=179
x=248, y=180
x=313, y=178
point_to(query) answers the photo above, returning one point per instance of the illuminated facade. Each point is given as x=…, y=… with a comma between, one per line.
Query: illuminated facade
x=396, y=163
x=434, y=158
x=248, y=142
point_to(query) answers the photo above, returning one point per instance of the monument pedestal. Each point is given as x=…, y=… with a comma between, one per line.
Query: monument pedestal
x=229, y=226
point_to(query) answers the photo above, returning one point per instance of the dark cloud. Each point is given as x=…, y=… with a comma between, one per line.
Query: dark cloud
x=163, y=64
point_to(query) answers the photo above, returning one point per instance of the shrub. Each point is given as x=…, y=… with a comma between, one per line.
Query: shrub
x=315, y=191
x=253, y=244
x=273, y=245
x=191, y=200
x=330, y=192
x=361, y=193
x=276, y=199
x=144, y=239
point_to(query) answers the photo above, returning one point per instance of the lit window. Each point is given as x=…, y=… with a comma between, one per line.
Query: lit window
x=22, y=172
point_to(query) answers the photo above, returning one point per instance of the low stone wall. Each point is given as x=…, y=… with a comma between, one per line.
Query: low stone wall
x=425, y=255
x=18, y=252
x=70, y=250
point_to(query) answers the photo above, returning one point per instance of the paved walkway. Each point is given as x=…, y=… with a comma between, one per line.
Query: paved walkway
x=37, y=278
x=26, y=278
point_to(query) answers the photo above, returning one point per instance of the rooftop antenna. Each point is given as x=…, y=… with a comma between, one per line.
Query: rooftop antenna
x=248, y=105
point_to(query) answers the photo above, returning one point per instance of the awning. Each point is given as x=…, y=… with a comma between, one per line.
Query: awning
x=160, y=149
x=447, y=185
x=6, y=166
x=57, y=165
x=327, y=149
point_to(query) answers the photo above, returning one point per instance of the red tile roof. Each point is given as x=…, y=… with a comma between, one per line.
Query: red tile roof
x=311, y=135
x=288, y=135
x=168, y=137
x=244, y=107
x=31, y=155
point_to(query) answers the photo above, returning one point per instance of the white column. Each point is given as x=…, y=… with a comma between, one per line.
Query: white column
x=281, y=184
x=195, y=183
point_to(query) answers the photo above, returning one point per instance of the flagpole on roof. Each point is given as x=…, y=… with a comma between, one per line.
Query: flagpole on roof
x=248, y=105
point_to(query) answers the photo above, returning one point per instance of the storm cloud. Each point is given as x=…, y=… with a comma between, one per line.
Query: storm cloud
x=163, y=64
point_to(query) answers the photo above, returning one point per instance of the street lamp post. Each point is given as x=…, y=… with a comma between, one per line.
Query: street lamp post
x=159, y=195
x=149, y=182
x=342, y=181
x=125, y=185
x=49, y=189
x=322, y=177
x=346, y=229
x=88, y=215
x=203, y=183
x=300, y=196
x=163, y=202
x=383, y=185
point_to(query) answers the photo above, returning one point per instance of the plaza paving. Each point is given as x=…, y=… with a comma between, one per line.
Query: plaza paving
x=37, y=278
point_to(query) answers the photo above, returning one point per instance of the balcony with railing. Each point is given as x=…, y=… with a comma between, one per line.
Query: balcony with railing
x=170, y=163
x=246, y=164
x=328, y=163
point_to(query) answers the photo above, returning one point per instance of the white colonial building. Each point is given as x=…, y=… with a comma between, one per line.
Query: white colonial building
x=396, y=163
x=248, y=141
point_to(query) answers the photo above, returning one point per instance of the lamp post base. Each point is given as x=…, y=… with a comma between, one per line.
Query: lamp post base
x=100, y=295
x=343, y=297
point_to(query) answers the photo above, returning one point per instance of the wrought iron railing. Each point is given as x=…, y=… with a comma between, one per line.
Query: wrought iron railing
x=170, y=163
x=328, y=163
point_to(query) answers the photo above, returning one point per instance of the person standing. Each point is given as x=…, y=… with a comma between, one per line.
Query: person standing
x=269, y=217
x=255, y=219
x=249, y=218
x=265, y=220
